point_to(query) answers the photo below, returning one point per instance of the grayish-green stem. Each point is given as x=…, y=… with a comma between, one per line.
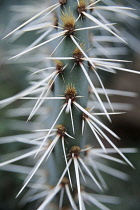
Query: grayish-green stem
x=77, y=78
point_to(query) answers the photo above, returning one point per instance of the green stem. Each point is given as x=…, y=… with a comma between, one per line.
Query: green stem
x=75, y=77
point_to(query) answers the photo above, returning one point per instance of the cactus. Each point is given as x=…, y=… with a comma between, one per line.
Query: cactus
x=66, y=144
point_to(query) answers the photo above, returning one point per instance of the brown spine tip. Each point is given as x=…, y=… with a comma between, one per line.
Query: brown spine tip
x=78, y=55
x=85, y=115
x=70, y=93
x=62, y=2
x=82, y=6
x=59, y=66
x=64, y=182
x=68, y=22
x=75, y=151
x=61, y=130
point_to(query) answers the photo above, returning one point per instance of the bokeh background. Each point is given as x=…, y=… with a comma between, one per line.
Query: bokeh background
x=13, y=79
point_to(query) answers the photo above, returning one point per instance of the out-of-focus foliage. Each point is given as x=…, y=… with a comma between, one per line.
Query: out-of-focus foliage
x=13, y=80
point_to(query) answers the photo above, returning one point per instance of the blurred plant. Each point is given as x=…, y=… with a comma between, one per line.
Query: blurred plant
x=65, y=129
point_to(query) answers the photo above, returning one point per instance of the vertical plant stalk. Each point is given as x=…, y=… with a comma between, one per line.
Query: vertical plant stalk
x=72, y=76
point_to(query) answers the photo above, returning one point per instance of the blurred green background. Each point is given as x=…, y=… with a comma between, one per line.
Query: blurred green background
x=13, y=80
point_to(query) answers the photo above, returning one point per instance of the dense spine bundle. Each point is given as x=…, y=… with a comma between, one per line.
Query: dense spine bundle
x=64, y=95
